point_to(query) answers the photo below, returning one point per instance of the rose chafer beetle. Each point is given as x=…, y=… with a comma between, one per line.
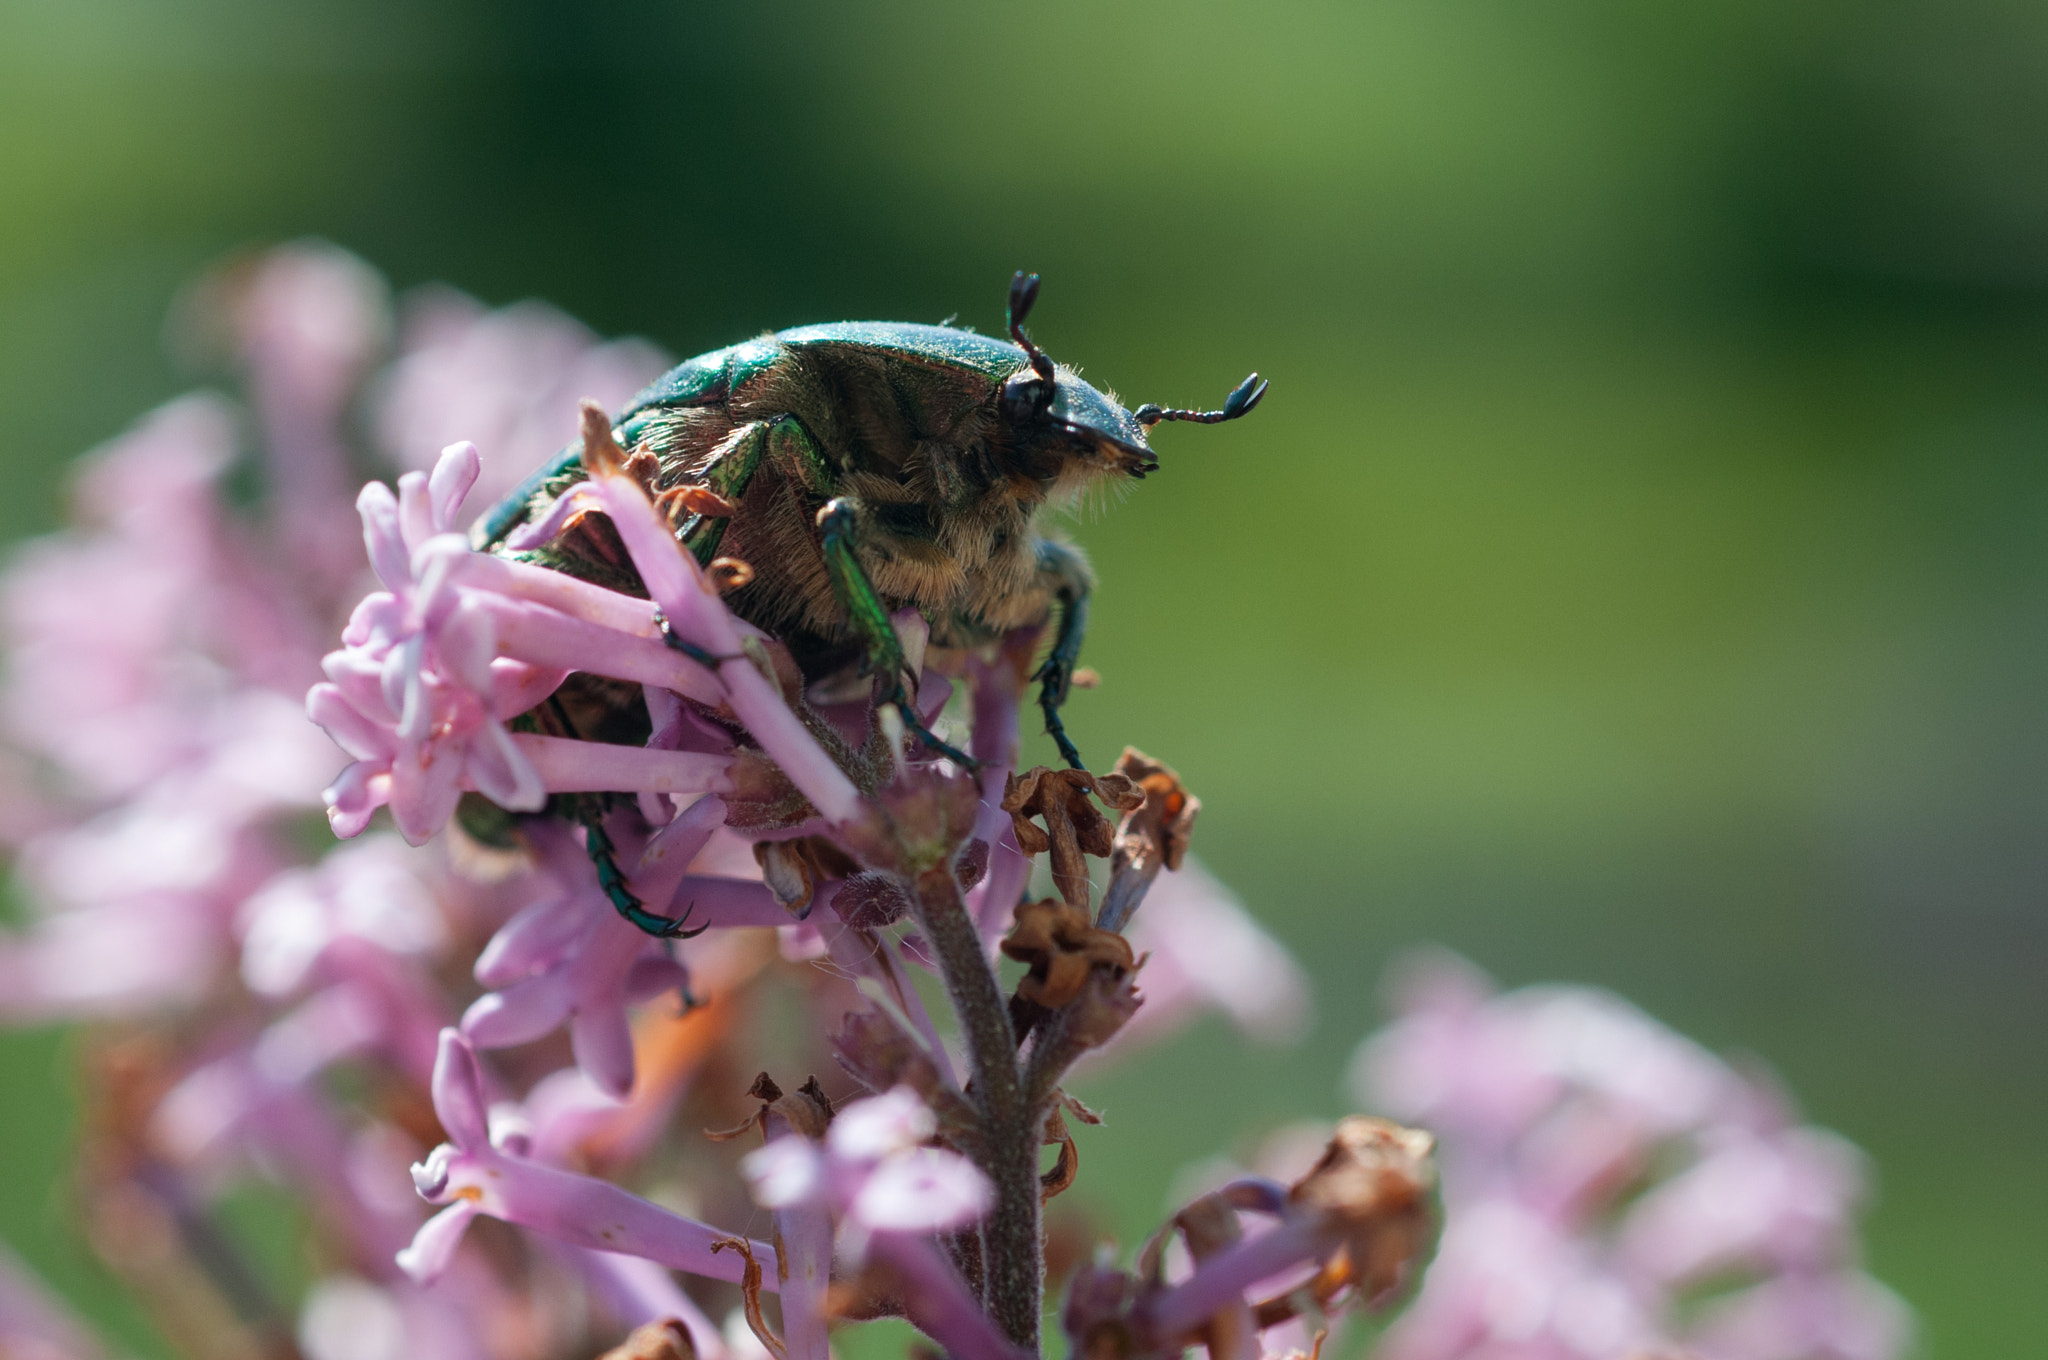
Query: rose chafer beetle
x=859, y=468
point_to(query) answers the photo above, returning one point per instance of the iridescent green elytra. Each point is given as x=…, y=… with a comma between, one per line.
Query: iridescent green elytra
x=862, y=467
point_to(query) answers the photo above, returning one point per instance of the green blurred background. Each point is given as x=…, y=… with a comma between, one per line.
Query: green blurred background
x=1637, y=574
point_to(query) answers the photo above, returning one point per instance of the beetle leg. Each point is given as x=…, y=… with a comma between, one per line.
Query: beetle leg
x=728, y=474
x=781, y=440
x=883, y=650
x=1071, y=584
x=603, y=857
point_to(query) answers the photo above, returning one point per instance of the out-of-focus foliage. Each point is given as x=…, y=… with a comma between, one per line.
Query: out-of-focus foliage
x=1637, y=571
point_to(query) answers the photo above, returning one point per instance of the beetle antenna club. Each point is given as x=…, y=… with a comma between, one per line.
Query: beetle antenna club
x=1024, y=293
x=1236, y=404
x=1030, y=395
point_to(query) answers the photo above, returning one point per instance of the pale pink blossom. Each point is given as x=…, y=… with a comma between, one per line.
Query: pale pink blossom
x=886, y=1192
x=472, y=1175
x=570, y=959
x=418, y=696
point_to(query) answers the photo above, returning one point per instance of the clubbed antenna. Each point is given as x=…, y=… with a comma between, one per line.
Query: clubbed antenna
x=1236, y=404
x=1023, y=293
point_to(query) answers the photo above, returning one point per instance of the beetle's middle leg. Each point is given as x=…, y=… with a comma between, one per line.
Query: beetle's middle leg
x=870, y=618
x=1066, y=571
x=587, y=809
x=603, y=856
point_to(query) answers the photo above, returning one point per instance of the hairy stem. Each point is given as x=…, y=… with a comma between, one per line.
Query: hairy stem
x=1010, y=1126
x=1053, y=1052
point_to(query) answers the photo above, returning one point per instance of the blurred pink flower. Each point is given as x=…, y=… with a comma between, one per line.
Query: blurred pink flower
x=306, y=322
x=886, y=1192
x=509, y=379
x=1553, y=1106
x=1203, y=951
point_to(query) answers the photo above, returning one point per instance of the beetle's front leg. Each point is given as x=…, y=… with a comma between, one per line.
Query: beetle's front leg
x=778, y=440
x=1066, y=572
x=839, y=522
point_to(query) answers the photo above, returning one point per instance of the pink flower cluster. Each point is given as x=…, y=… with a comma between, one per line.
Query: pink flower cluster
x=1610, y=1188
x=263, y=1009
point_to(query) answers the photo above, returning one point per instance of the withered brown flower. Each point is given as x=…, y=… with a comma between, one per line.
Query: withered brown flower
x=1074, y=827
x=1059, y=946
x=808, y=1111
x=1375, y=1185
x=1151, y=837
x=792, y=869
x=1157, y=832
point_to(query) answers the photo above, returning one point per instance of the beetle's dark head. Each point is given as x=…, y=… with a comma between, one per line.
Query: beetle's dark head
x=1089, y=432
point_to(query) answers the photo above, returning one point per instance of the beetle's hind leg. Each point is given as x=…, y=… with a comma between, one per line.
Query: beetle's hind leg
x=1066, y=571
x=882, y=649
x=603, y=857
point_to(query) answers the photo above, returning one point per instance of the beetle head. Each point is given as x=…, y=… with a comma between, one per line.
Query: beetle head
x=1097, y=426
x=1095, y=429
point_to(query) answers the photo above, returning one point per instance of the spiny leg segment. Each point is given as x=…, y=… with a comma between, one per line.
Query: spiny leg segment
x=589, y=813
x=839, y=522
x=1069, y=573
x=603, y=857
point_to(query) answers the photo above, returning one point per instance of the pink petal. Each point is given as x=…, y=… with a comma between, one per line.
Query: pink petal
x=653, y=976
x=603, y=1044
x=358, y=672
x=786, y=1171
x=548, y=637
x=425, y=784
x=398, y=679
x=519, y=1014
x=465, y=644
x=537, y=936
x=566, y=765
x=354, y=797
x=923, y=1190
x=415, y=514
x=382, y=538
x=563, y=594
x=352, y=732
x=433, y=1246
x=379, y=613
x=517, y=686
x=502, y=773
x=454, y=474
x=867, y=1130
x=459, y=1093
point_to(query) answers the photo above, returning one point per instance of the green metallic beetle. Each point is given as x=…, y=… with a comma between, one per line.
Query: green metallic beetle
x=869, y=466
x=863, y=467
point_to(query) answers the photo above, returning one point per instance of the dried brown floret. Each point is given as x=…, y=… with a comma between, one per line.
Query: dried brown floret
x=1156, y=833
x=1060, y=948
x=1375, y=1185
x=871, y=901
x=791, y=870
x=1068, y=1164
x=1074, y=828
x=808, y=1111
